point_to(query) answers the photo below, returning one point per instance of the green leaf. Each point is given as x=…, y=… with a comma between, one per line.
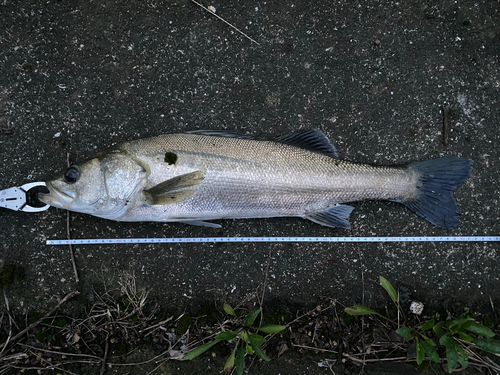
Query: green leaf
x=488, y=345
x=465, y=336
x=405, y=333
x=240, y=360
x=256, y=339
x=481, y=330
x=451, y=358
x=438, y=329
x=230, y=360
x=451, y=352
x=456, y=322
x=199, y=350
x=463, y=358
x=229, y=310
x=260, y=353
x=389, y=289
x=460, y=324
x=465, y=325
x=428, y=340
x=271, y=328
x=430, y=351
x=447, y=340
x=244, y=335
x=420, y=353
x=249, y=349
x=427, y=325
x=359, y=310
x=250, y=318
x=226, y=335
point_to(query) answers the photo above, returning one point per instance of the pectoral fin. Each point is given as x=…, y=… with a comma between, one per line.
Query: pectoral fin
x=334, y=217
x=175, y=190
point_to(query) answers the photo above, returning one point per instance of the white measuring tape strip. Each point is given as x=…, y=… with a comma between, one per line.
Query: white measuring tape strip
x=100, y=241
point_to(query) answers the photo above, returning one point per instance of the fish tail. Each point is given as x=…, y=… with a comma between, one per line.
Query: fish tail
x=434, y=198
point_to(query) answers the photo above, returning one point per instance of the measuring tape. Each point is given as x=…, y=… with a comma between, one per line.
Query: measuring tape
x=99, y=241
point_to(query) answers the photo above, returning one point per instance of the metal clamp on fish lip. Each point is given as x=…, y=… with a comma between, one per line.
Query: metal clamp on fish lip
x=18, y=198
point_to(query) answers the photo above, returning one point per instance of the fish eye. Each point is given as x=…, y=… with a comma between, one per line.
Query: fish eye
x=72, y=174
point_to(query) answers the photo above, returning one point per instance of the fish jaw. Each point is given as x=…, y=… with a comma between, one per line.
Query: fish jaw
x=57, y=198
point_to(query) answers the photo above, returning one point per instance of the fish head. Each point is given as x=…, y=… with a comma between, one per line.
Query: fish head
x=81, y=188
x=102, y=186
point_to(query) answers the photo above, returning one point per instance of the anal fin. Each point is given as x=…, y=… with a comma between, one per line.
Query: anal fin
x=175, y=189
x=334, y=217
x=199, y=223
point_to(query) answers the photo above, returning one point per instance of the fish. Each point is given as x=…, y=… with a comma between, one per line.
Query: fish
x=200, y=176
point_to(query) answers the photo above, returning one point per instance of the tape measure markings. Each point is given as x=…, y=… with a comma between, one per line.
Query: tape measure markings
x=100, y=241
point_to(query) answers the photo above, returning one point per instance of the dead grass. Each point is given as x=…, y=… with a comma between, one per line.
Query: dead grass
x=122, y=321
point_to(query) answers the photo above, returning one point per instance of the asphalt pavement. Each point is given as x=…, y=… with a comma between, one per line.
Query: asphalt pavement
x=77, y=77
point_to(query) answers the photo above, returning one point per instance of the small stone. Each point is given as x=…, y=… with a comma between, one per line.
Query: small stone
x=417, y=307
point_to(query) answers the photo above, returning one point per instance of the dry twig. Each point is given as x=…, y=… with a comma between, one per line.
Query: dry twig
x=264, y=285
x=32, y=325
x=364, y=361
x=227, y=23
x=446, y=124
x=68, y=218
x=105, y=358
x=313, y=348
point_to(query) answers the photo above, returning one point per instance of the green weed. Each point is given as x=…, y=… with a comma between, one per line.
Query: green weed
x=248, y=342
x=456, y=336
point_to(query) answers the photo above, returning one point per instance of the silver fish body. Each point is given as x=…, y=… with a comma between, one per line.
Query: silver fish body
x=193, y=178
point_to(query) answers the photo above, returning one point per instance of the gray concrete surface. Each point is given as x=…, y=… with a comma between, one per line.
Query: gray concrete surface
x=80, y=76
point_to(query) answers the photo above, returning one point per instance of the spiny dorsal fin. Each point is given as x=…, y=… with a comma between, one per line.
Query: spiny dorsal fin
x=220, y=133
x=334, y=217
x=312, y=140
x=170, y=191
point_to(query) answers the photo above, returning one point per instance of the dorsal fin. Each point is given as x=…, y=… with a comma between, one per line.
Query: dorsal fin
x=312, y=140
x=220, y=133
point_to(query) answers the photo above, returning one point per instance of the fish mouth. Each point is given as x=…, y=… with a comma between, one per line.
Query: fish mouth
x=57, y=198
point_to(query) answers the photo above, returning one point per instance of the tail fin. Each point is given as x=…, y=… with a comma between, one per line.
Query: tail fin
x=438, y=179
